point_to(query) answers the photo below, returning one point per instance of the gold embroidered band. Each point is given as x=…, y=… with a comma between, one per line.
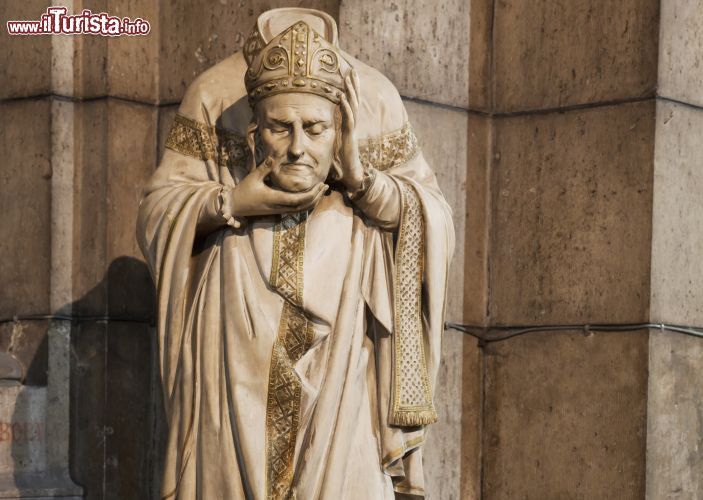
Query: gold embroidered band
x=283, y=400
x=390, y=150
x=191, y=138
x=293, y=340
x=197, y=140
x=288, y=252
x=412, y=397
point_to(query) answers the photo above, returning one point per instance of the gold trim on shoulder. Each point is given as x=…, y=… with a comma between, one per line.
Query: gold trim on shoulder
x=412, y=396
x=191, y=138
x=293, y=341
x=197, y=140
x=389, y=150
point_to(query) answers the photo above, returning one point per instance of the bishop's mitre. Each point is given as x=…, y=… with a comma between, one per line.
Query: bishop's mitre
x=296, y=60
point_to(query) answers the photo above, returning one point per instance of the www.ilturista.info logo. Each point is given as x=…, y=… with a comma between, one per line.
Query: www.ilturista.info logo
x=57, y=21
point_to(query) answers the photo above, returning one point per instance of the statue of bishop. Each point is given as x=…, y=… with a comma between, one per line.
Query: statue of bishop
x=300, y=245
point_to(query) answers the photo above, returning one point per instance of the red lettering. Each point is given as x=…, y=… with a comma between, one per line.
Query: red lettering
x=5, y=432
x=21, y=432
x=18, y=433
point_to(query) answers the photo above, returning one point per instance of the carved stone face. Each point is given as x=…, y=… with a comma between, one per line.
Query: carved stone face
x=298, y=132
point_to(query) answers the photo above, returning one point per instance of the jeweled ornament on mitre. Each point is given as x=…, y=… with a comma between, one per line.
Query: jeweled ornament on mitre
x=296, y=60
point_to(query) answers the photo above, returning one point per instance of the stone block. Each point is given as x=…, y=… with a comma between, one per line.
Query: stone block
x=157, y=420
x=480, y=47
x=192, y=38
x=58, y=397
x=88, y=426
x=674, y=422
x=476, y=220
x=552, y=54
x=421, y=46
x=566, y=416
x=129, y=399
x=471, y=420
x=23, y=435
x=26, y=342
x=442, y=133
x=89, y=195
x=681, y=51
x=78, y=63
x=677, y=238
x=442, y=136
x=443, y=450
x=78, y=206
x=571, y=210
x=63, y=160
x=90, y=56
x=132, y=144
x=133, y=64
x=10, y=368
x=34, y=425
x=166, y=116
x=25, y=61
x=25, y=205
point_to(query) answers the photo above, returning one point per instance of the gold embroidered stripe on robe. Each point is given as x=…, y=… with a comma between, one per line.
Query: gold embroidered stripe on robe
x=412, y=396
x=294, y=339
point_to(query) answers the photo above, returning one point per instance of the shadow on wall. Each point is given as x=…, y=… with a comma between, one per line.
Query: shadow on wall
x=117, y=420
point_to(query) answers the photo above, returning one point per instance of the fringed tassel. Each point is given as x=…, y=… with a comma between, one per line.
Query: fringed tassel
x=413, y=418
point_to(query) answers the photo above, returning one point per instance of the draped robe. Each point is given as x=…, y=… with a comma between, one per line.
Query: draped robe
x=297, y=352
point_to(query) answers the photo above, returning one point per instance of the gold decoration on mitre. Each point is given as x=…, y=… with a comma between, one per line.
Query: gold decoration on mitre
x=296, y=60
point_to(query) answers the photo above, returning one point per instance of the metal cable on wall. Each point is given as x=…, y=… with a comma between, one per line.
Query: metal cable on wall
x=488, y=334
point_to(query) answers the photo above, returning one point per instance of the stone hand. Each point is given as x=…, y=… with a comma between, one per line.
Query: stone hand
x=252, y=196
x=352, y=170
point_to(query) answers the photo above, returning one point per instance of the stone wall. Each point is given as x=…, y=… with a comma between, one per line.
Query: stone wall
x=567, y=93
x=565, y=136
x=582, y=207
x=675, y=402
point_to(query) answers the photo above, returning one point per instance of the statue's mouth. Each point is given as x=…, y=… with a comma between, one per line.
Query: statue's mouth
x=297, y=166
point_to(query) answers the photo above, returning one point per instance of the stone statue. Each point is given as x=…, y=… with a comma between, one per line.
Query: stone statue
x=300, y=247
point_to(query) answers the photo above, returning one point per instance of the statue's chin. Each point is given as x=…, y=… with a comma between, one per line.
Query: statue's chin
x=292, y=183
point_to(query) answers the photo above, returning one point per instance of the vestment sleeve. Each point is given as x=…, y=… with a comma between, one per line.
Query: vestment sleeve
x=381, y=202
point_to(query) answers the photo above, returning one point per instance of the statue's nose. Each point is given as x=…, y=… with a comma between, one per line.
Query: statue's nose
x=297, y=148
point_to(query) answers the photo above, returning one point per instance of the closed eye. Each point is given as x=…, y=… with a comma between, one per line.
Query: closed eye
x=315, y=128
